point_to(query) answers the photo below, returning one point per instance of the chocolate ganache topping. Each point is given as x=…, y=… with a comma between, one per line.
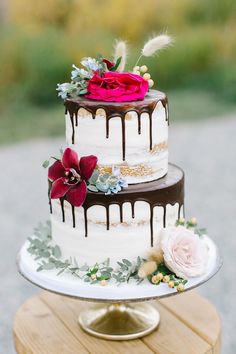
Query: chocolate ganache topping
x=167, y=190
x=118, y=109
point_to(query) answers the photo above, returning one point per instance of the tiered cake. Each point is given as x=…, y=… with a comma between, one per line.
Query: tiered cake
x=132, y=137
x=116, y=204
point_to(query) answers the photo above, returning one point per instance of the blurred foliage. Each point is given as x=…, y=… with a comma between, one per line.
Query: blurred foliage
x=40, y=41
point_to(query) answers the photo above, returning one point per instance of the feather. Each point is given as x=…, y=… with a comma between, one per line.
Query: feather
x=155, y=44
x=146, y=269
x=120, y=50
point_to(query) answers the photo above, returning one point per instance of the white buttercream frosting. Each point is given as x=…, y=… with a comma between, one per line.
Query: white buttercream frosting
x=123, y=240
x=90, y=139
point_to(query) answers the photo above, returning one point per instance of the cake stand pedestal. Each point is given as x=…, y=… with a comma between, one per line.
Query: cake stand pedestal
x=119, y=321
x=121, y=313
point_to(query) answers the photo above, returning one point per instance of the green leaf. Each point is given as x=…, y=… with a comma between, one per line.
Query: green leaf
x=48, y=266
x=56, y=252
x=114, y=68
x=94, y=177
x=92, y=188
x=83, y=91
x=45, y=164
x=84, y=268
x=61, y=271
x=127, y=262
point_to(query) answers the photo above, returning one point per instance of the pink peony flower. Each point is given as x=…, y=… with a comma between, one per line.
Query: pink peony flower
x=184, y=252
x=69, y=177
x=119, y=87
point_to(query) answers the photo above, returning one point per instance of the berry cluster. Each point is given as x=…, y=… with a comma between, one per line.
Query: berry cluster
x=142, y=71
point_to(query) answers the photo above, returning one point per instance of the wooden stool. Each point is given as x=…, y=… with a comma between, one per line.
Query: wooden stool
x=47, y=324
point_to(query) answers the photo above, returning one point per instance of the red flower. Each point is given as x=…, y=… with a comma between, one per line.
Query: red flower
x=69, y=177
x=119, y=87
x=108, y=63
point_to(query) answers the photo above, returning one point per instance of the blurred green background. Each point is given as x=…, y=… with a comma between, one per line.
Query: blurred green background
x=40, y=41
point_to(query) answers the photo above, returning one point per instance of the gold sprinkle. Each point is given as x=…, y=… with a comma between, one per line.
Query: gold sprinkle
x=159, y=147
x=134, y=171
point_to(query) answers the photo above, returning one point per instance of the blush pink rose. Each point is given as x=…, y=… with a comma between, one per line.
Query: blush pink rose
x=184, y=252
x=118, y=87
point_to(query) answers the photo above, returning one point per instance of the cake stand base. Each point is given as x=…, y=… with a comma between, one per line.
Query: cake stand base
x=119, y=321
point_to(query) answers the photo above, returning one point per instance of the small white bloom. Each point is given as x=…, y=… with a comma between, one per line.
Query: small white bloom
x=91, y=64
x=78, y=73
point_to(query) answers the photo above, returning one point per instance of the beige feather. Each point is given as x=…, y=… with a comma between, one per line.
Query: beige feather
x=155, y=44
x=146, y=269
x=120, y=50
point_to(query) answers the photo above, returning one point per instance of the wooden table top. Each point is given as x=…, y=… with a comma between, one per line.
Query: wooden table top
x=47, y=324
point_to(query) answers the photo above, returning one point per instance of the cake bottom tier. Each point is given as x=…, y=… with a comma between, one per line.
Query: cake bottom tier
x=125, y=225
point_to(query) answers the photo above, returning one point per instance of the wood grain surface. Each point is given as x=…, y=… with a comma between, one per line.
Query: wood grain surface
x=47, y=324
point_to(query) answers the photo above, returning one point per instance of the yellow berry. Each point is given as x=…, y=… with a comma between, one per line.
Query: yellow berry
x=136, y=68
x=144, y=69
x=155, y=279
x=93, y=276
x=180, y=287
x=171, y=284
x=193, y=221
x=103, y=282
x=147, y=76
x=136, y=72
x=150, y=83
x=166, y=279
x=160, y=276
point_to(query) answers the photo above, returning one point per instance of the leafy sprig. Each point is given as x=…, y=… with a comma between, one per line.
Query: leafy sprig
x=49, y=257
x=192, y=224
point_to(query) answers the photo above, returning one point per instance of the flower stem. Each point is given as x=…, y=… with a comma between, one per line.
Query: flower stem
x=138, y=60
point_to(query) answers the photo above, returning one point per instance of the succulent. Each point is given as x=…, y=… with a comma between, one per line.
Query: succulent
x=107, y=183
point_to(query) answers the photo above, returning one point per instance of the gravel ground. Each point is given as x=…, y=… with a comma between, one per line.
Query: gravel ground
x=206, y=150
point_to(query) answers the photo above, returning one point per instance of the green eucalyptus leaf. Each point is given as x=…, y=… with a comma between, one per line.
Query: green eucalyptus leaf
x=115, y=67
x=127, y=262
x=84, y=268
x=56, y=252
x=45, y=164
x=48, y=266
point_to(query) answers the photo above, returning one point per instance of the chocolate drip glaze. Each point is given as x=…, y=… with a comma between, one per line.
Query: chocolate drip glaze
x=167, y=190
x=49, y=199
x=118, y=109
x=73, y=215
x=62, y=209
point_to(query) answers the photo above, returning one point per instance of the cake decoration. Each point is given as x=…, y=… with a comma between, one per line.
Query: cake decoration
x=162, y=193
x=118, y=109
x=107, y=183
x=188, y=252
x=102, y=79
x=69, y=176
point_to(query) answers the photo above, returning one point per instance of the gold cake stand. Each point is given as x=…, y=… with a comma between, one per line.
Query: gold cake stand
x=120, y=313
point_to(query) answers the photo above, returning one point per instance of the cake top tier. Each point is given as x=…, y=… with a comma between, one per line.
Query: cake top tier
x=114, y=109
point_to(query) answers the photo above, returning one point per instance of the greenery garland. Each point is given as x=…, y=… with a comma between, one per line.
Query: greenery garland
x=49, y=257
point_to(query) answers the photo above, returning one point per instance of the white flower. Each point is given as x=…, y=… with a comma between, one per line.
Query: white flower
x=79, y=74
x=184, y=252
x=91, y=64
x=63, y=90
